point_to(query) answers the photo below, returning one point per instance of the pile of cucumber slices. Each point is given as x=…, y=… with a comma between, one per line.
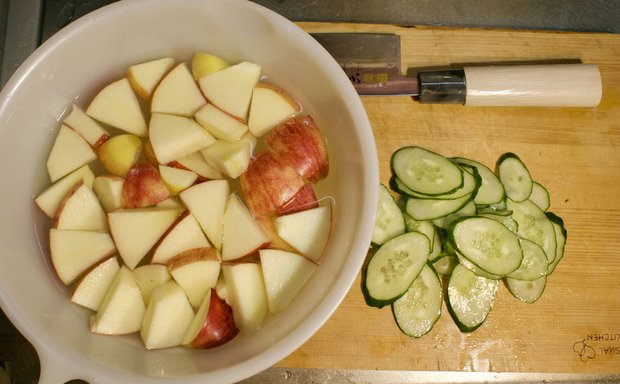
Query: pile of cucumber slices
x=455, y=230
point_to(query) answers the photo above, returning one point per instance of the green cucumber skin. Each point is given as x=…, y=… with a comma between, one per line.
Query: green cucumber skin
x=389, y=207
x=509, y=192
x=455, y=317
x=495, y=182
x=395, y=172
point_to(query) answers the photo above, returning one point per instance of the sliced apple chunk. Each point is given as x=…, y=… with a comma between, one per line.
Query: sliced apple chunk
x=167, y=317
x=230, y=89
x=81, y=210
x=171, y=202
x=143, y=187
x=177, y=179
x=207, y=202
x=196, y=162
x=173, y=137
x=299, y=143
x=268, y=184
x=248, y=298
x=270, y=106
x=285, y=274
x=122, y=309
x=109, y=190
x=230, y=158
x=242, y=233
x=304, y=199
x=74, y=252
x=220, y=124
x=177, y=93
x=149, y=277
x=136, y=231
x=196, y=271
x=69, y=152
x=204, y=64
x=183, y=235
x=93, y=286
x=117, y=105
x=86, y=127
x=307, y=231
x=144, y=77
x=213, y=325
x=119, y=153
x=50, y=199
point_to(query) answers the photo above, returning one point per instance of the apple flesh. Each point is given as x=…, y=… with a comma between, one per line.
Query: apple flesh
x=50, y=199
x=136, y=231
x=304, y=199
x=74, y=252
x=242, y=233
x=109, y=191
x=145, y=77
x=247, y=294
x=143, y=187
x=299, y=143
x=149, y=277
x=93, y=286
x=183, y=235
x=207, y=202
x=117, y=105
x=204, y=64
x=177, y=93
x=69, y=152
x=285, y=274
x=167, y=317
x=173, y=137
x=230, y=89
x=230, y=158
x=268, y=184
x=213, y=324
x=177, y=179
x=196, y=162
x=119, y=153
x=86, y=127
x=307, y=231
x=220, y=124
x=80, y=210
x=270, y=106
x=196, y=271
x=122, y=309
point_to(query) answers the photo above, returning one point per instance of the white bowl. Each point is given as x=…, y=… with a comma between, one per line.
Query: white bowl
x=77, y=62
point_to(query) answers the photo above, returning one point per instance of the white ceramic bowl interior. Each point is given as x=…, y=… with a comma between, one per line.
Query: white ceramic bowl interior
x=76, y=63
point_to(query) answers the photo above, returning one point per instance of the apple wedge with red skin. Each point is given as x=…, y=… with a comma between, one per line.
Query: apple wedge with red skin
x=143, y=187
x=304, y=199
x=218, y=324
x=298, y=142
x=268, y=184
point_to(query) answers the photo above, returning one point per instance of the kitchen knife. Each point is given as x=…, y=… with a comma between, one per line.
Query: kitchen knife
x=372, y=63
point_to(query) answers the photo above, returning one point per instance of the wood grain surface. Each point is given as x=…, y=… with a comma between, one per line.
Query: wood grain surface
x=574, y=152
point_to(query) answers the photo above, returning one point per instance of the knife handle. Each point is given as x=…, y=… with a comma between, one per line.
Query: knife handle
x=558, y=85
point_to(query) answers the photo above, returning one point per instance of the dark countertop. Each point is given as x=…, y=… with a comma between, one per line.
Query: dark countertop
x=24, y=24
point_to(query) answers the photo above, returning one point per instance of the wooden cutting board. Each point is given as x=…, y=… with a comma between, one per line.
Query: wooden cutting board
x=574, y=152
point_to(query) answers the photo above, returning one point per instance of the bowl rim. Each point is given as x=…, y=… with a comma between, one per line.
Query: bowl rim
x=55, y=364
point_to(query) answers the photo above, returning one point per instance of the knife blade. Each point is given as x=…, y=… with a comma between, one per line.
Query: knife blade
x=372, y=62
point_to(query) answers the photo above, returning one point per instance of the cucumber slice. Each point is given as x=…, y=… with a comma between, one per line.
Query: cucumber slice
x=534, y=225
x=389, y=220
x=486, y=243
x=515, y=177
x=534, y=263
x=423, y=226
x=491, y=190
x=476, y=269
x=419, y=308
x=429, y=209
x=445, y=265
x=426, y=172
x=540, y=196
x=527, y=291
x=436, y=249
x=471, y=183
x=394, y=266
x=560, y=239
x=470, y=298
x=506, y=221
x=468, y=209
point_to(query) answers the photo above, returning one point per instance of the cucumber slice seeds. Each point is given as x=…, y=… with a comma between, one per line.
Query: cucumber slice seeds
x=457, y=230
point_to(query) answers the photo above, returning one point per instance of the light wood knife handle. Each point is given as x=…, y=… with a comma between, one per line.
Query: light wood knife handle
x=559, y=85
